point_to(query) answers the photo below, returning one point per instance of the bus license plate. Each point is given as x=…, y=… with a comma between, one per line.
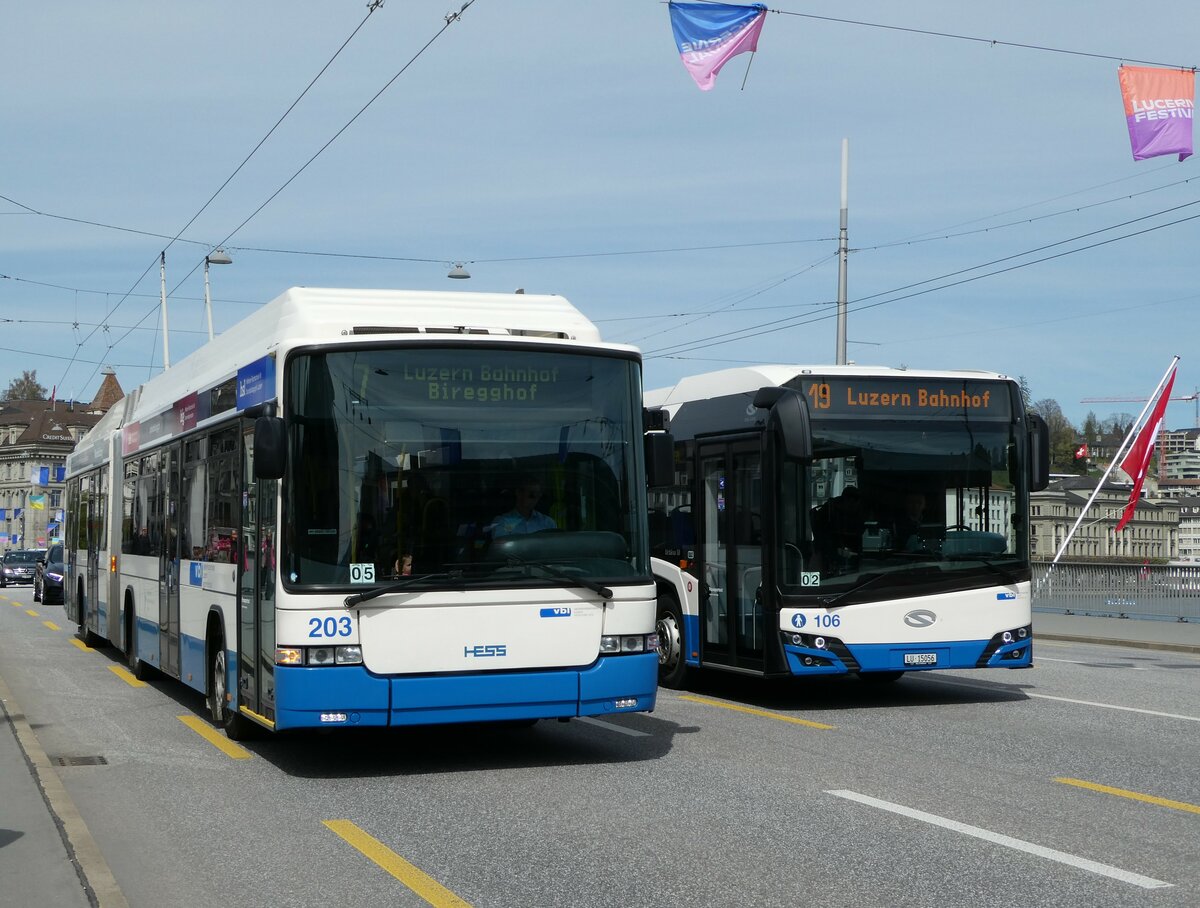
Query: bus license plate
x=920, y=658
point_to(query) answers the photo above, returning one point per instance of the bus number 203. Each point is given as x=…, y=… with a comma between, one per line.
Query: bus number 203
x=330, y=627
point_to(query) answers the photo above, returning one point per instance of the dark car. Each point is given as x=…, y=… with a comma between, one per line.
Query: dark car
x=48, y=579
x=19, y=567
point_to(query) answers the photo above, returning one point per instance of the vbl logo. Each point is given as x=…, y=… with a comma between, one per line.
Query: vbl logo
x=484, y=650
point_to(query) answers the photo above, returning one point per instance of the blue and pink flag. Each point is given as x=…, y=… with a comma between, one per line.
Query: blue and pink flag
x=1158, y=109
x=709, y=35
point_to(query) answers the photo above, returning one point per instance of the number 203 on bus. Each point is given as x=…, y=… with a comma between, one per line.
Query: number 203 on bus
x=330, y=627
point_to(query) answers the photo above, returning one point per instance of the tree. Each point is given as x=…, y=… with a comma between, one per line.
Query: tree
x=27, y=387
x=1062, y=433
x=1026, y=394
x=1091, y=428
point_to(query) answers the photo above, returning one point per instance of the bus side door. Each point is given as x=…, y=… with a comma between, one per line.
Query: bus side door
x=168, y=564
x=730, y=516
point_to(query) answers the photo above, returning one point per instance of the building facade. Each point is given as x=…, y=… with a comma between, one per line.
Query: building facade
x=1153, y=535
x=35, y=438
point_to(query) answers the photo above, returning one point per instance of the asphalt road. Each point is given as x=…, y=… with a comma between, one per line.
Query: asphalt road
x=1074, y=783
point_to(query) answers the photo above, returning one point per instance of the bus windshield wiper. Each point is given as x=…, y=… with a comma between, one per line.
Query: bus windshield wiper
x=871, y=579
x=400, y=586
x=550, y=572
x=990, y=565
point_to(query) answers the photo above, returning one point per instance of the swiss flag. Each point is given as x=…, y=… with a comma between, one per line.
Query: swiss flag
x=1137, y=461
x=1081, y=453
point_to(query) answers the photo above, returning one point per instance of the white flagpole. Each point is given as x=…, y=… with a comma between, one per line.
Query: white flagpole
x=1137, y=426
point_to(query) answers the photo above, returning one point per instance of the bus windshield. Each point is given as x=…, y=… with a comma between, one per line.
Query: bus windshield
x=902, y=502
x=443, y=466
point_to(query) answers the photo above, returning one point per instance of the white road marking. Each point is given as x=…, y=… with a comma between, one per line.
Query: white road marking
x=1129, y=709
x=1116, y=873
x=608, y=726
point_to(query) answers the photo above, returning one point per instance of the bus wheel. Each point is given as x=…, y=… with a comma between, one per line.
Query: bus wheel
x=84, y=633
x=137, y=667
x=237, y=728
x=672, y=669
x=880, y=677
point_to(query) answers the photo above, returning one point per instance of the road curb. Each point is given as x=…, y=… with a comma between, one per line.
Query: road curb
x=96, y=878
x=1110, y=641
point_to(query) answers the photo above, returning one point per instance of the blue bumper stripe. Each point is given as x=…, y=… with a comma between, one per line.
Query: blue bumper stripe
x=304, y=694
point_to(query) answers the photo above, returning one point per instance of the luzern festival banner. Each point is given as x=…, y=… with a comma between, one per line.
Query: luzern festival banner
x=1158, y=109
x=709, y=35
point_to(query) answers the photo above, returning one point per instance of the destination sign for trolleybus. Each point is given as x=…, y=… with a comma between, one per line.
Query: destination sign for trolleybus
x=859, y=396
x=481, y=383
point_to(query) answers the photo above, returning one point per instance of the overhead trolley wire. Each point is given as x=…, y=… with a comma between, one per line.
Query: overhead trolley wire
x=857, y=305
x=993, y=42
x=371, y=8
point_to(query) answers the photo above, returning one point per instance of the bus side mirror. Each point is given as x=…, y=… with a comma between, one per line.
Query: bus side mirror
x=788, y=417
x=1039, y=453
x=270, y=447
x=660, y=459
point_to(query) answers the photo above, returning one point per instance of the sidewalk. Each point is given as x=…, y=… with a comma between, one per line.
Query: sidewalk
x=34, y=863
x=1175, y=636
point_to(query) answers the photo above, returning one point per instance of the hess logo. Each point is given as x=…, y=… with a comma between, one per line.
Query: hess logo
x=484, y=650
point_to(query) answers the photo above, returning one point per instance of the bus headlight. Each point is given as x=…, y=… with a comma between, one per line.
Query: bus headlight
x=620, y=644
x=349, y=655
x=320, y=655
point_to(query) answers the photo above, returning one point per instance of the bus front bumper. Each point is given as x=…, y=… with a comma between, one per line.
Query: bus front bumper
x=840, y=658
x=333, y=696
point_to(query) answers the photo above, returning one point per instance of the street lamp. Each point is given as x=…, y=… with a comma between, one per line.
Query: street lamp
x=217, y=257
x=458, y=272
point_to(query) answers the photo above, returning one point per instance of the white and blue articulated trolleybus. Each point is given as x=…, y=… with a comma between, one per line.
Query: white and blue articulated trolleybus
x=370, y=508
x=830, y=520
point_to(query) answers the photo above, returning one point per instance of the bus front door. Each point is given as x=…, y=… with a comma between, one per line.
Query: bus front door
x=731, y=607
x=256, y=589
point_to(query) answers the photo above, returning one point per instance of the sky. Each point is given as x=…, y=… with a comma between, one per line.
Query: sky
x=563, y=148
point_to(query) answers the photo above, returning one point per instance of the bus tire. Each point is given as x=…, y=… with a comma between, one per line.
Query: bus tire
x=84, y=633
x=672, y=644
x=880, y=677
x=237, y=728
x=139, y=669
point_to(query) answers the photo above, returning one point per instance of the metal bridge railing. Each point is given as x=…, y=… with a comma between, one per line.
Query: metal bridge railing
x=1162, y=592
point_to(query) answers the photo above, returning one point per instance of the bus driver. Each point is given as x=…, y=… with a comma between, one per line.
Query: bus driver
x=523, y=518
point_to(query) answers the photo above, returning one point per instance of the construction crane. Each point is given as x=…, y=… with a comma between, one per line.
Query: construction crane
x=1194, y=396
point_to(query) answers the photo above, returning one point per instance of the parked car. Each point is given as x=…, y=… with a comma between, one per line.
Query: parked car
x=48, y=578
x=19, y=567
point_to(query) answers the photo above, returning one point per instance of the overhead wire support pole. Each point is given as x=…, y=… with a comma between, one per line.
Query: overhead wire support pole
x=162, y=299
x=843, y=252
x=1134, y=429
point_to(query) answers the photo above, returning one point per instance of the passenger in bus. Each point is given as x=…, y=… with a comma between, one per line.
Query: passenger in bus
x=524, y=517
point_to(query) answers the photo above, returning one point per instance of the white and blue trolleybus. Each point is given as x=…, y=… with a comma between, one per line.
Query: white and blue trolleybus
x=828, y=520
x=371, y=508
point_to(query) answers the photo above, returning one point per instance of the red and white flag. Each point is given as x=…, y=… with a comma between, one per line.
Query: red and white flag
x=1081, y=453
x=1137, y=461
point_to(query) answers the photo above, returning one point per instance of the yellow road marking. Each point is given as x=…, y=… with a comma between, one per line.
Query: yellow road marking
x=419, y=882
x=75, y=641
x=31, y=613
x=52, y=625
x=1133, y=795
x=124, y=675
x=756, y=712
x=215, y=738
